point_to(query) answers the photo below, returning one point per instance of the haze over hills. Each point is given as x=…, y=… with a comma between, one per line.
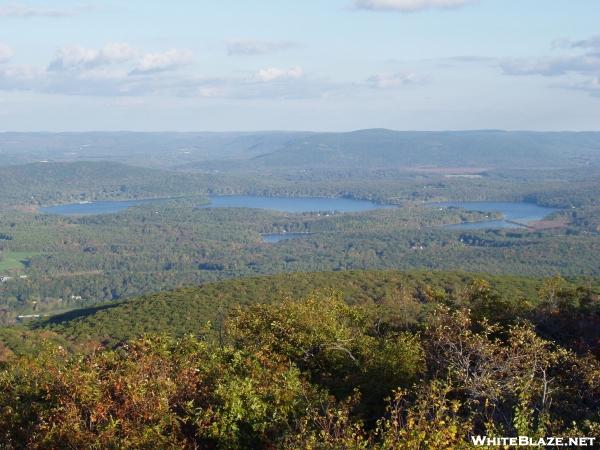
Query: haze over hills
x=162, y=149
x=363, y=149
x=466, y=149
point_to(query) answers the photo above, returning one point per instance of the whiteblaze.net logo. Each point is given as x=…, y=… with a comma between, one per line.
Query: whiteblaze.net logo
x=526, y=441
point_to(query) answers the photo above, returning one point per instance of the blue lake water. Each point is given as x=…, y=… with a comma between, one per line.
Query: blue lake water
x=286, y=204
x=273, y=238
x=520, y=212
x=482, y=225
x=513, y=211
x=293, y=204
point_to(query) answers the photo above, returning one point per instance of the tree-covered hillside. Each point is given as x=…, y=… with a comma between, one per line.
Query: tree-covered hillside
x=387, y=361
x=410, y=150
x=46, y=183
x=187, y=310
x=565, y=311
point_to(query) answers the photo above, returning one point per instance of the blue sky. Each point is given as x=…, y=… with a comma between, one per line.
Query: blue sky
x=299, y=65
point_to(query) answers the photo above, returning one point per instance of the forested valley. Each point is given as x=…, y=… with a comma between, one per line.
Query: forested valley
x=174, y=323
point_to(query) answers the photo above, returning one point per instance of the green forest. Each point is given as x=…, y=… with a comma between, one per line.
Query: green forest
x=175, y=324
x=55, y=263
x=381, y=360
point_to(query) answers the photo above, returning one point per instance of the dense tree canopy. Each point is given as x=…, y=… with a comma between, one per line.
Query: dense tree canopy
x=321, y=371
x=313, y=373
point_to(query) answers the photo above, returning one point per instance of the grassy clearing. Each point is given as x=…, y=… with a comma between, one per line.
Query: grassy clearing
x=14, y=260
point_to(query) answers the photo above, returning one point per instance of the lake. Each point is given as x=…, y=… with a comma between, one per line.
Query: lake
x=513, y=211
x=520, y=212
x=273, y=238
x=293, y=204
x=285, y=204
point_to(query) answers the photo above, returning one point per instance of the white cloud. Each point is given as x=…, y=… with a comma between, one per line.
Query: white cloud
x=407, y=6
x=77, y=57
x=160, y=62
x=26, y=12
x=24, y=78
x=119, y=70
x=395, y=80
x=117, y=82
x=274, y=74
x=81, y=59
x=578, y=67
x=585, y=62
x=6, y=53
x=109, y=71
x=552, y=66
x=117, y=53
x=591, y=45
x=73, y=57
x=249, y=47
x=591, y=86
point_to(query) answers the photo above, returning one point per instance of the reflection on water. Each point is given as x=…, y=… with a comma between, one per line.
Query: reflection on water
x=273, y=238
x=293, y=204
x=285, y=204
x=515, y=213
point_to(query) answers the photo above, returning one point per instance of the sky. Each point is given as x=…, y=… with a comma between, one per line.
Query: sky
x=322, y=65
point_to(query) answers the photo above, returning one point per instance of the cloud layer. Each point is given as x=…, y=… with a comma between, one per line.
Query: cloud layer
x=162, y=62
x=395, y=80
x=274, y=73
x=120, y=70
x=27, y=12
x=591, y=86
x=250, y=47
x=584, y=65
x=592, y=44
x=6, y=53
x=407, y=6
x=78, y=58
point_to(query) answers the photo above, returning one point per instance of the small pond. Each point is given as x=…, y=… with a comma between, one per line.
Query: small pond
x=273, y=238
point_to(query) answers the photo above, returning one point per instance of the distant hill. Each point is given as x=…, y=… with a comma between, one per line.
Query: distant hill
x=410, y=150
x=160, y=150
x=374, y=148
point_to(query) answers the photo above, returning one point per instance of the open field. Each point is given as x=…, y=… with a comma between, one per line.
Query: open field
x=14, y=260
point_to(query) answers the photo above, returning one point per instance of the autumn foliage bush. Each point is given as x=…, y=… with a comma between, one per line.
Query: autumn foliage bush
x=311, y=374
